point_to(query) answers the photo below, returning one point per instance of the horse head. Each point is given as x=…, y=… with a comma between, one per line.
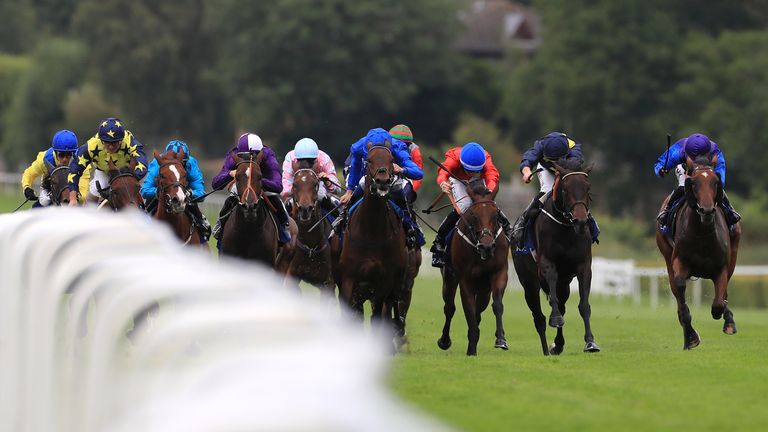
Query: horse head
x=571, y=196
x=172, y=187
x=248, y=181
x=482, y=218
x=124, y=188
x=379, y=174
x=306, y=185
x=59, y=185
x=703, y=188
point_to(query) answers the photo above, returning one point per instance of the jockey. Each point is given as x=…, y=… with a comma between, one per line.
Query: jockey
x=59, y=154
x=692, y=146
x=545, y=152
x=194, y=180
x=464, y=163
x=111, y=143
x=402, y=190
x=305, y=154
x=404, y=134
x=271, y=181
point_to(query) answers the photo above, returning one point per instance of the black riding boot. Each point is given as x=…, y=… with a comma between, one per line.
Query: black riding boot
x=505, y=225
x=676, y=195
x=282, y=219
x=151, y=206
x=518, y=231
x=226, y=210
x=731, y=216
x=438, y=246
x=200, y=221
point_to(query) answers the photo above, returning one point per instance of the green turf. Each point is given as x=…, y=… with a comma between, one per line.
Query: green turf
x=642, y=379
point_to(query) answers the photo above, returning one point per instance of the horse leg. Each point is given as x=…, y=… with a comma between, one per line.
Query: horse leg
x=720, y=304
x=401, y=308
x=528, y=275
x=548, y=271
x=497, y=290
x=677, y=278
x=346, y=297
x=470, y=313
x=449, y=308
x=563, y=290
x=584, y=276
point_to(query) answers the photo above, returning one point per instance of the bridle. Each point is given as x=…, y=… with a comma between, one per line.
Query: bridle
x=56, y=193
x=693, y=202
x=166, y=197
x=477, y=236
x=558, y=192
x=107, y=192
x=317, y=185
x=389, y=170
x=243, y=195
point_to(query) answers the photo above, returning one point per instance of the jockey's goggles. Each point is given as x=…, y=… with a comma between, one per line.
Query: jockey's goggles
x=63, y=154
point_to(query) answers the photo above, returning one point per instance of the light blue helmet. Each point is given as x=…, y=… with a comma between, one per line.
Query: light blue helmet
x=177, y=146
x=306, y=148
x=472, y=157
x=65, y=141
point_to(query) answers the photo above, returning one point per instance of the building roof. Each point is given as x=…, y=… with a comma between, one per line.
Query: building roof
x=493, y=26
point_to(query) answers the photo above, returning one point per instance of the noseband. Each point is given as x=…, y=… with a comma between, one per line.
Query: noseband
x=125, y=188
x=317, y=184
x=567, y=215
x=390, y=171
x=477, y=236
x=693, y=202
x=56, y=193
x=167, y=198
x=248, y=188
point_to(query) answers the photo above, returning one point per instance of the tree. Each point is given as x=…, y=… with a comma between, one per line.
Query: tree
x=17, y=33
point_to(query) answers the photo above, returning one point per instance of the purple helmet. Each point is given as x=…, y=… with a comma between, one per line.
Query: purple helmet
x=249, y=142
x=697, y=145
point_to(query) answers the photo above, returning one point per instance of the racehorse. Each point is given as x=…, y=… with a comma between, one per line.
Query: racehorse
x=373, y=255
x=172, y=194
x=124, y=188
x=59, y=185
x=702, y=246
x=311, y=260
x=563, y=250
x=478, y=253
x=251, y=231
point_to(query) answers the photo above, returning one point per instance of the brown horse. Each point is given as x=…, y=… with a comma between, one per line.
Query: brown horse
x=172, y=195
x=478, y=266
x=59, y=185
x=702, y=246
x=373, y=255
x=124, y=190
x=251, y=231
x=311, y=261
x=564, y=250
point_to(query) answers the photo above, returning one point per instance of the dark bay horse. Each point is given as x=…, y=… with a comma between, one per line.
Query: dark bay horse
x=124, y=190
x=311, y=261
x=59, y=185
x=478, y=266
x=251, y=231
x=373, y=255
x=172, y=195
x=563, y=250
x=702, y=246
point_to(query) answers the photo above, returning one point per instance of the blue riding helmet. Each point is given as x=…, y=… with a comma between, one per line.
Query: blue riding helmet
x=111, y=130
x=177, y=146
x=472, y=157
x=306, y=148
x=65, y=141
x=555, y=145
x=697, y=145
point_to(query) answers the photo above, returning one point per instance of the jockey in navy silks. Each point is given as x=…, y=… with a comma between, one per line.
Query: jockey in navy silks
x=194, y=180
x=401, y=193
x=693, y=146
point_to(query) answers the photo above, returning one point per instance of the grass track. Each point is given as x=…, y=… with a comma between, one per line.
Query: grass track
x=642, y=380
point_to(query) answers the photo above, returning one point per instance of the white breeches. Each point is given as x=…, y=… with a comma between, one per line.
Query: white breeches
x=44, y=197
x=102, y=178
x=546, y=179
x=681, y=175
x=459, y=191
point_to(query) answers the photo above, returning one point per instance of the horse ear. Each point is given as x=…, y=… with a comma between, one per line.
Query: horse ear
x=558, y=167
x=316, y=166
x=295, y=165
x=589, y=167
x=689, y=163
x=714, y=160
x=133, y=164
x=111, y=165
x=388, y=144
x=259, y=158
x=156, y=154
x=236, y=158
x=369, y=145
x=181, y=154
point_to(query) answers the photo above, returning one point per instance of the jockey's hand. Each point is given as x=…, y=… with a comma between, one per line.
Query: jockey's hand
x=30, y=194
x=73, y=199
x=663, y=172
x=526, y=174
x=323, y=176
x=346, y=197
x=232, y=173
x=445, y=187
x=398, y=169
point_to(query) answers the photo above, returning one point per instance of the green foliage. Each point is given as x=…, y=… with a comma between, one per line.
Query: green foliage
x=36, y=111
x=55, y=15
x=82, y=106
x=299, y=67
x=12, y=68
x=474, y=128
x=17, y=33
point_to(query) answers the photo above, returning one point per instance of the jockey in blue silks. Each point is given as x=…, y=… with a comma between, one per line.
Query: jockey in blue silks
x=693, y=146
x=194, y=180
x=402, y=190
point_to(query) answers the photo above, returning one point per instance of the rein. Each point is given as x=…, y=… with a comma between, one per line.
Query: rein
x=167, y=199
x=249, y=187
x=484, y=232
x=567, y=215
x=56, y=193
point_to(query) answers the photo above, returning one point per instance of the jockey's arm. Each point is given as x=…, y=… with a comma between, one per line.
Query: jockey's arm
x=34, y=171
x=287, y=177
x=195, y=178
x=494, y=192
x=149, y=188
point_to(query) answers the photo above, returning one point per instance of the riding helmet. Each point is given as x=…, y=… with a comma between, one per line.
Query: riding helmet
x=472, y=157
x=65, y=141
x=556, y=145
x=697, y=145
x=249, y=142
x=177, y=146
x=306, y=148
x=111, y=130
x=402, y=132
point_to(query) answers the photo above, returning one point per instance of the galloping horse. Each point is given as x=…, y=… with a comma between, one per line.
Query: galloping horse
x=564, y=250
x=311, y=261
x=172, y=194
x=59, y=185
x=251, y=231
x=124, y=188
x=373, y=256
x=478, y=266
x=702, y=246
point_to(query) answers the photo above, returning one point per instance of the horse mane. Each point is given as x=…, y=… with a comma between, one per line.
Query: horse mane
x=478, y=187
x=703, y=160
x=567, y=165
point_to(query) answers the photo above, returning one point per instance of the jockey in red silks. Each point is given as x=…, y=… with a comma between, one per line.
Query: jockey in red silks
x=404, y=134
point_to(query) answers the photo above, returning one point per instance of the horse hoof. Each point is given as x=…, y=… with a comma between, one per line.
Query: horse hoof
x=501, y=343
x=401, y=341
x=555, y=350
x=444, y=344
x=471, y=353
x=692, y=342
x=556, y=321
x=591, y=347
x=729, y=328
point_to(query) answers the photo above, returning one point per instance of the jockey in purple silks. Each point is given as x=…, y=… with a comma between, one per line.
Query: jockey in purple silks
x=272, y=182
x=693, y=146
